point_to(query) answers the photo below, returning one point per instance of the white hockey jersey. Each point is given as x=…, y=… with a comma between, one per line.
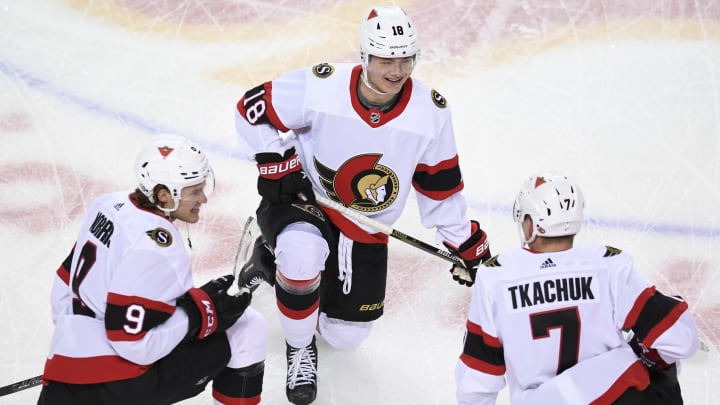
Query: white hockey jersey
x=366, y=159
x=550, y=323
x=113, y=299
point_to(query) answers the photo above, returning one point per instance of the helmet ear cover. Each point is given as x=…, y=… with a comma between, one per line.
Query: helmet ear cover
x=387, y=32
x=553, y=202
x=174, y=162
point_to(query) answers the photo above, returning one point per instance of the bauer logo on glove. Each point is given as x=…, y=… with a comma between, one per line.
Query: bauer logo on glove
x=474, y=251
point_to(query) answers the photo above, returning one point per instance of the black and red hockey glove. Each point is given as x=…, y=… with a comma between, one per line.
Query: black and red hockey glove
x=473, y=252
x=281, y=178
x=210, y=309
x=650, y=357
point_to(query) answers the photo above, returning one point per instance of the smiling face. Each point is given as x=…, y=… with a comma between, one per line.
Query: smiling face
x=387, y=75
x=188, y=208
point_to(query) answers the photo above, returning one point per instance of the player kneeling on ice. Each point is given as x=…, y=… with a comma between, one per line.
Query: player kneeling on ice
x=549, y=317
x=364, y=135
x=130, y=328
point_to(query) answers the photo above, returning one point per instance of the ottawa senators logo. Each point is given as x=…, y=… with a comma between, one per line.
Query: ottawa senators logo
x=360, y=183
x=161, y=236
x=323, y=70
x=438, y=99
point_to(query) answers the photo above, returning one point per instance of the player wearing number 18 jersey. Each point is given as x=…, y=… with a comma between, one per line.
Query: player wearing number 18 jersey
x=366, y=136
x=549, y=318
x=130, y=328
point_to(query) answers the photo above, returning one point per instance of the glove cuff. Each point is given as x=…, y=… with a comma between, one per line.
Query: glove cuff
x=207, y=314
x=476, y=247
x=278, y=170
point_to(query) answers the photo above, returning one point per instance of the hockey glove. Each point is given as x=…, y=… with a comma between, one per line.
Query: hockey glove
x=473, y=252
x=260, y=267
x=210, y=309
x=281, y=178
x=650, y=357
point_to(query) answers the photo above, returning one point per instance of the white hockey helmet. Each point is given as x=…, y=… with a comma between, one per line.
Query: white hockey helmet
x=554, y=203
x=175, y=162
x=387, y=32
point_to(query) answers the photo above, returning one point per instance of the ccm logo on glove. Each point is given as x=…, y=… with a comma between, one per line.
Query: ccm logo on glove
x=208, y=320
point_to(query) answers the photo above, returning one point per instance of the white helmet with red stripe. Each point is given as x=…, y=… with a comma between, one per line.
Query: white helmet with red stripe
x=175, y=162
x=387, y=32
x=553, y=202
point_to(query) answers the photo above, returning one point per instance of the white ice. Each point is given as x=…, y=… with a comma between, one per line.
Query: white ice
x=625, y=97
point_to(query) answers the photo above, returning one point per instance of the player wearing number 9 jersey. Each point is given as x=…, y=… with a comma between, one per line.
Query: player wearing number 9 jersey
x=129, y=325
x=550, y=318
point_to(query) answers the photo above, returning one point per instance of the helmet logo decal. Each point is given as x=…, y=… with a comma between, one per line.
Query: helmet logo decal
x=360, y=183
x=165, y=150
x=323, y=70
x=161, y=236
x=539, y=181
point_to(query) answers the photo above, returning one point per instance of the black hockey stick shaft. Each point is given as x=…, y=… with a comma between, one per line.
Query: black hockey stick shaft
x=426, y=247
x=20, y=385
x=441, y=253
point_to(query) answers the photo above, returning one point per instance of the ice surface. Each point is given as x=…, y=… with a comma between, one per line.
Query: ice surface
x=625, y=97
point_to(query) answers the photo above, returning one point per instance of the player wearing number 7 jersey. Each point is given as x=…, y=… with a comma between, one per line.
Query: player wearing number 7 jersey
x=130, y=328
x=550, y=318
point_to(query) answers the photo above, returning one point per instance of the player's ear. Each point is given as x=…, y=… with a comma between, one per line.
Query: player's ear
x=527, y=226
x=163, y=197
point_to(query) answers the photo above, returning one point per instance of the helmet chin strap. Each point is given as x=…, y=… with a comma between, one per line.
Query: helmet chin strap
x=168, y=211
x=369, y=86
x=168, y=214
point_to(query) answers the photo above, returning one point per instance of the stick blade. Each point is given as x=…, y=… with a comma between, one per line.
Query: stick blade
x=248, y=234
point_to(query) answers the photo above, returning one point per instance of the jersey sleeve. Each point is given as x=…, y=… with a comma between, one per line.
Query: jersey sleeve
x=60, y=295
x=480, y=370
x=659, y=321
x=141, y=320
x=438, y=183
x=268, y=109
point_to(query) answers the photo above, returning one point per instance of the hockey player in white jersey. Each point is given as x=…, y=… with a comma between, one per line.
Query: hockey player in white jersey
x=363, y=135
x=130, y=328
x=549, y=318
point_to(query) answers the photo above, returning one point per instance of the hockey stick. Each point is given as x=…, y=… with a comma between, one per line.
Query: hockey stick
x=441, y=253
x=249, y=232
x=246, y=240
x=460, y=271
x=20, y=385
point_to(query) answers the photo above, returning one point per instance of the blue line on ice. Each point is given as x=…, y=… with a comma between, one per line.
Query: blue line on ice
x=139, y=122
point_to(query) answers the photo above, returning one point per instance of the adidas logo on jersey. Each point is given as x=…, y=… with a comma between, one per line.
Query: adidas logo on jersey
x=118, y=206
x=547, y=264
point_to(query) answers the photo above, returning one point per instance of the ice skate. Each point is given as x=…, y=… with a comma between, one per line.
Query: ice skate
x=301, y=388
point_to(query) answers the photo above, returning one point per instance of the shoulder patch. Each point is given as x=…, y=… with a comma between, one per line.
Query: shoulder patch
x=611, y=251
x=323, y=70
x=493, y=262
x=438, y=99
x=161, y=236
